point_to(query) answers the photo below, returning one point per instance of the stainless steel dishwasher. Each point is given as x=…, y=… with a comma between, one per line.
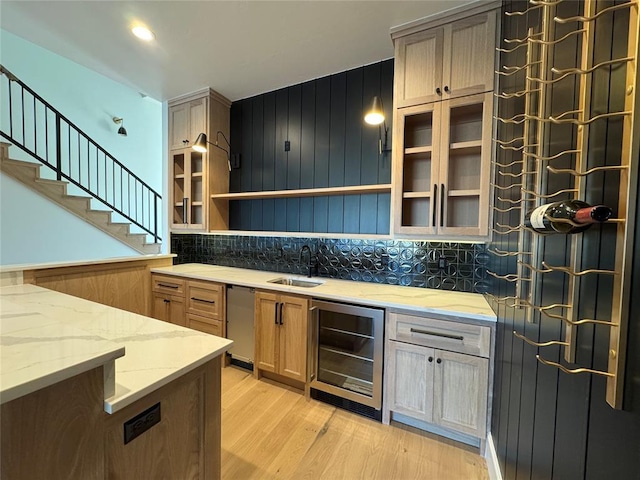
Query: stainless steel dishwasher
x=240, y=311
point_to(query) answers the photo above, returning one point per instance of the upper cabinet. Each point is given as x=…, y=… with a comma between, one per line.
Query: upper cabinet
x=186, y=121
x=443, y=119
x=194, y=176
x=443, y=62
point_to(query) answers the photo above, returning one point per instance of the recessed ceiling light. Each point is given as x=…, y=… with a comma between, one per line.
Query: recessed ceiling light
x=143, y=33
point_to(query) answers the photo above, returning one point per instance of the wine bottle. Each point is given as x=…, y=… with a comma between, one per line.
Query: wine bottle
x=549, y=218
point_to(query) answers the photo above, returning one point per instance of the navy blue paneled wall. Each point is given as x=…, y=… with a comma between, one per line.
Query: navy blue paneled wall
x=395, y=262
x=328, y=145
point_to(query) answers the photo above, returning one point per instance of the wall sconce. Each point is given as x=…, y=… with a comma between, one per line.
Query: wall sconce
x=119, y=121
x=201, y=145
x=375, y=116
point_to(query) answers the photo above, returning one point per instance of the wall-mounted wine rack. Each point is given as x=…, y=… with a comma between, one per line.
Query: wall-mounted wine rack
x=529, y=173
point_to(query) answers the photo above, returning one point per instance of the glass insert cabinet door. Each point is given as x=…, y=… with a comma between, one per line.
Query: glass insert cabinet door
x=348, y=354
x=441, y=170
x=188, y=192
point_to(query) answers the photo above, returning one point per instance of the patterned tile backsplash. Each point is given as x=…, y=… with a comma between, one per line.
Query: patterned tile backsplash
x=395, y=262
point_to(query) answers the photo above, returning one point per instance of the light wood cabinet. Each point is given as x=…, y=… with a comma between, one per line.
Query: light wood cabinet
x=186, y=121
x=168, y=308
x=443, y=120
x=281, y=323
x=188, y=200
x=195, y=304
x=442, y=62
x=460, y=389
x=441, y=169
x=194, y=176
x=168, y=299
x=430, y=377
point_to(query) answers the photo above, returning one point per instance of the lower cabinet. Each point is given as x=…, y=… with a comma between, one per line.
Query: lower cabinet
x=168, y=299
x=190, y=303
x=168, y=308
x=441, y=387
x=281, y=323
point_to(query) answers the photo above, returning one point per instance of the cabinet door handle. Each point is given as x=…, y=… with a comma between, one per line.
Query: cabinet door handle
x=430, y=359
x=442, y=204
x=439, y=360
x=281, y=305
x=437, y=334
x=166, y=285
x=435, y=197
x=275, y=317
x=202, y=300
x=446, y=88
x=438, y=91
x=185, y=209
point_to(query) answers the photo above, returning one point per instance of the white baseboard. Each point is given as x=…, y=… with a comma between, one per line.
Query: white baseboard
x=491, y=457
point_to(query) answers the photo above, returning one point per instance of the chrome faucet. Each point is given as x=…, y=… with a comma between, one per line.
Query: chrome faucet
x=311, y=263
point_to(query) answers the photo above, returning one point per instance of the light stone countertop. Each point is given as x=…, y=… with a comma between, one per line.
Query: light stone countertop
x=461, y=305
x=47, y=336
x=75, y=263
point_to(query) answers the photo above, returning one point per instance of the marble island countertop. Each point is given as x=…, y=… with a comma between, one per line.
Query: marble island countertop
x=462, y=305
x=47, y=336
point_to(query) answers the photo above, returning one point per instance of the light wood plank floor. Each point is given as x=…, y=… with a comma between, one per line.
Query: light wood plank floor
x=270, y=431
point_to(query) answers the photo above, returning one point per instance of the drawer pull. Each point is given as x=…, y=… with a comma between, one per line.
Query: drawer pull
x=202, y=300
x=167, y=285
x=437, y=334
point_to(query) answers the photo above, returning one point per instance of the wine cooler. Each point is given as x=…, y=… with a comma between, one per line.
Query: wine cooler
x=346, y=353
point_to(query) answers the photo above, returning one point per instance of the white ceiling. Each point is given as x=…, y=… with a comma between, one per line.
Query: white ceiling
x=238, y=48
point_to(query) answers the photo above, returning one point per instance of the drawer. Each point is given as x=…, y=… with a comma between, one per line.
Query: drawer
x=167, y=284
x=205, y=299
x=206, y=325
x=442, y=334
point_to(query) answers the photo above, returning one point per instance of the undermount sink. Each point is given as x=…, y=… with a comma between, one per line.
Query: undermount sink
x=295, y=282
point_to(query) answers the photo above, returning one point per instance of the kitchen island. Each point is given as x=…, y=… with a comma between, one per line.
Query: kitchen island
x=90, y=391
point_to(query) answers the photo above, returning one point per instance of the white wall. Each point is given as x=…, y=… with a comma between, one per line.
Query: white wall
x=89, y=100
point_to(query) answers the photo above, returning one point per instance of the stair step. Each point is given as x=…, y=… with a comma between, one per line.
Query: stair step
x=56, y=187
x=4, y=150
x=102, y=215
x=122, y=228
x=20, y=170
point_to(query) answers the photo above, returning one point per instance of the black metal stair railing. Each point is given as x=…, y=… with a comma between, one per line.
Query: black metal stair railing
x=32, y=124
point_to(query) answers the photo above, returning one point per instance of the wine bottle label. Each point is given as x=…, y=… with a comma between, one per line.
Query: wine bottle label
x=537, y=216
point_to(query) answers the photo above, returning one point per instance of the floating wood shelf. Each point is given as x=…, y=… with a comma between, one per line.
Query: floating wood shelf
x=306, y=192
x=412, y=150
x=416, y=194
x=466, y=145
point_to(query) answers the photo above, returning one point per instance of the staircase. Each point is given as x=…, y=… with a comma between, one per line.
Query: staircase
x=28, y=174
x=38, y=129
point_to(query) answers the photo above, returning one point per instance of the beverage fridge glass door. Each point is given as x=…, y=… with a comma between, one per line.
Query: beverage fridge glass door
x=348, y=355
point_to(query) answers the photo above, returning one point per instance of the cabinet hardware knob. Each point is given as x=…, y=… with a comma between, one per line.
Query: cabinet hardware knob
x=446, y=88
x=439, y=360
x=438, y=91
x=430, y=359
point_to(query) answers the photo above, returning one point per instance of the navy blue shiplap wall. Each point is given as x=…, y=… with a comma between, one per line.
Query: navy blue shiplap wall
x=547, y=424
x=394, y=262
x=330, y=146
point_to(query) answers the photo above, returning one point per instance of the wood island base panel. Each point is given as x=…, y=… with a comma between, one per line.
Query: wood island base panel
x=89, y=391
